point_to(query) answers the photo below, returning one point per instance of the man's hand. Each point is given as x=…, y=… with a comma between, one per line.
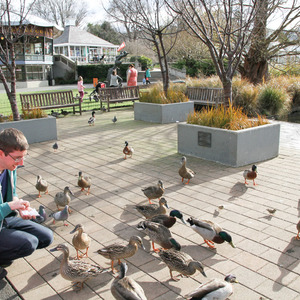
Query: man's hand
x=18, y=204
x=27, y=214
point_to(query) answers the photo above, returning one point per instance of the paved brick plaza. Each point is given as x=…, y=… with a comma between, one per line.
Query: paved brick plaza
x=265, y=260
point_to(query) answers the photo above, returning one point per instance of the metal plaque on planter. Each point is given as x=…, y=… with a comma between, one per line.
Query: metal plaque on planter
x=204, y=139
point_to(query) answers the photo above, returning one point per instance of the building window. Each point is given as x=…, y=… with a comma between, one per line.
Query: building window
x=34, y=73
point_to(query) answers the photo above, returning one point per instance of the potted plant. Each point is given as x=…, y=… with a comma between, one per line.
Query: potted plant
x=36, y=125
x=154, y=106
x=228, y=136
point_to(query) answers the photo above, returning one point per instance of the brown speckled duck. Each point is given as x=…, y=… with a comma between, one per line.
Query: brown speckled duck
x=84, y=182
x=151, y=210
x=298, y=229
x=185, y=172
x=62, y=199
x=154, y=192
x=159, y=234
x=180, y=262
x=118, y=251
x=80, y=241
x=250, y=174
x=41, y=185
x=76, y=271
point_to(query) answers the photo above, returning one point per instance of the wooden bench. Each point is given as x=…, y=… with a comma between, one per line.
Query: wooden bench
x=205, y=96
x=118, y=95
x=50, y=100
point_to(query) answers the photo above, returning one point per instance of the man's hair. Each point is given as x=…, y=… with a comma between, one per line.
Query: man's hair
x=131, y=65
x=12, y=139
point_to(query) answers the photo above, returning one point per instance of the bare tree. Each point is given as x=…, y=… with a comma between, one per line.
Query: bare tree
x=224, y=27
x=149, y=19
x=59, y=11
x=10, y=34
x=266, y=44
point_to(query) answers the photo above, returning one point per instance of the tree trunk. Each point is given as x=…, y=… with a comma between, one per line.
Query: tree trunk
x=227, y=91
x=255, y=67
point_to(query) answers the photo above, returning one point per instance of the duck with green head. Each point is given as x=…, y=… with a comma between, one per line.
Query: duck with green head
x=211, y=232
x=168, y=221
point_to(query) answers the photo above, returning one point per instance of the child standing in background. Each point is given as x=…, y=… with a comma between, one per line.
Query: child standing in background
x=81, y=87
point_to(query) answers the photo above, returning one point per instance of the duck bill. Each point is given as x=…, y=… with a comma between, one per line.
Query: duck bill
x=72, y=231
x=232, y=245
x=203, y=273
x=167, y=206
x=183, y=221
x=143, y=247
x=54, y=249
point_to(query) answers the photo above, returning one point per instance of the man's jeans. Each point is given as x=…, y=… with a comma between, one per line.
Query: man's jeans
x=20, y=238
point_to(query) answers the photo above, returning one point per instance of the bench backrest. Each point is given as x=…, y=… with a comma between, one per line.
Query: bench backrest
x=205, y=95
x=46, y=99
x=130, y=92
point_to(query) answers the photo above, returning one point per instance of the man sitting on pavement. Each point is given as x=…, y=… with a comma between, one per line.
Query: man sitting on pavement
x=19, y=236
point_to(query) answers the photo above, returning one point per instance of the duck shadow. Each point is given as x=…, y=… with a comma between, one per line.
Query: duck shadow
x=238, y=190
x=287, y=261
x=116, y=161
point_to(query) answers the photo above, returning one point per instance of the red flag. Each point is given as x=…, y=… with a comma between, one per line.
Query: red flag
x=121, y=47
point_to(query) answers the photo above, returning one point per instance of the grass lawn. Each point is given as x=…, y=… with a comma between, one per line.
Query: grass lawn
x=87, y=105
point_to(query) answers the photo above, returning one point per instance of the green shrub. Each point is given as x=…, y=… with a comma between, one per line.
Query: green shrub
x=143, y=60
x=155, y=94
x=271, y=100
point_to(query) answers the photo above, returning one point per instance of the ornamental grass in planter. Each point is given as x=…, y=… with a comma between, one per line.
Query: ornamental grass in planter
x=230, y=117
x=228, y=136
x=156, y=107
x=155, y=94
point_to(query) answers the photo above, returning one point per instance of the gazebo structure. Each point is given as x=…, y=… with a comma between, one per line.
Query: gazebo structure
x=83, y=47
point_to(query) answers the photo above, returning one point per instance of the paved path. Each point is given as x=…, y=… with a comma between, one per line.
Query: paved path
x=266, y=257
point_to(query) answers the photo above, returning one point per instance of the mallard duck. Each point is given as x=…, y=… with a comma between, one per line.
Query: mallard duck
x=154, y=192
x=298, y=228
x=62, y=215
x=41, y=185
x=80, y=241
x=214, y=289
x=211, y=232
x=124, y=287
x=185, y=172
x=92, y=119
x=62, y=199
x=168, y=221
x=118, y=251
x=151, y=210
x=84, y=182
x=180, y=262
x=127, y=150
x=159, y=234
x=250, y=174
x=76, y=271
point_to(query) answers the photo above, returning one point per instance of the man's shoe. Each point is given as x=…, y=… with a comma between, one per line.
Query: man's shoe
x=5, y=265
x=3, y=273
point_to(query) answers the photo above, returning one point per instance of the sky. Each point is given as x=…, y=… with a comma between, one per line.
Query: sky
x=96, y=12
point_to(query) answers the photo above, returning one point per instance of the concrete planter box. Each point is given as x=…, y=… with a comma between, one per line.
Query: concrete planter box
x=232, y=148
x=35, y=130
x=162, y=113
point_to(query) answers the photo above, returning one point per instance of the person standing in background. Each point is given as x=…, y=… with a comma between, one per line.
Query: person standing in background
x=132, y=76
x=80, y=87
x=147, y=75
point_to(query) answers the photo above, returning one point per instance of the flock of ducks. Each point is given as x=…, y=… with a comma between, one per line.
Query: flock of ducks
x=156, y=225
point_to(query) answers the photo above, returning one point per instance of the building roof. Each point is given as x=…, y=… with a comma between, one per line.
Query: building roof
x=73, y=35
x=32, y=20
